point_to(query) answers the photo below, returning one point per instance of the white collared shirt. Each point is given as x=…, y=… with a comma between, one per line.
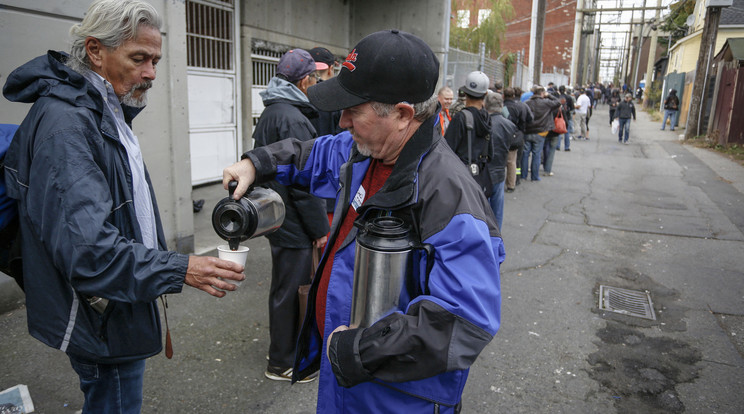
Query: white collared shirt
x=143, y=206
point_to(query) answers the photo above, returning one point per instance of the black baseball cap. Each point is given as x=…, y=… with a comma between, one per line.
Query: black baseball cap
x=390, y=66
x=323, y=55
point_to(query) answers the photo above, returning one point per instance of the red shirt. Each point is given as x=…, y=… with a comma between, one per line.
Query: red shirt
x=376, y=176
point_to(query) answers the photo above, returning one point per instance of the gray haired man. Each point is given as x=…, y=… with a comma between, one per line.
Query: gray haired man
x=94, y=252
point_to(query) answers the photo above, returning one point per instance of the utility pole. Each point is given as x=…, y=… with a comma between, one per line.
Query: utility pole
x=707, y=43
x=639, y=49
x=575, y=54
x=539, y=34
x=652, y=52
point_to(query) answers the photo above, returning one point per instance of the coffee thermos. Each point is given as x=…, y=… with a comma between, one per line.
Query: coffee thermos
x=382, y=267
x=259, y=212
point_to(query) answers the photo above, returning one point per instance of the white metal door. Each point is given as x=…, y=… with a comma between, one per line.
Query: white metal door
x=214, y=102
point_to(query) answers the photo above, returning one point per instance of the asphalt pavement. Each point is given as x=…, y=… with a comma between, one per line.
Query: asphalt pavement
x=652, y=216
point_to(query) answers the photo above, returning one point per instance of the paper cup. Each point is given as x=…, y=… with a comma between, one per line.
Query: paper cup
x=236, y=256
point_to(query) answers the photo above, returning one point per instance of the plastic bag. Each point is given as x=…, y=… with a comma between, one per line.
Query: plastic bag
x=615, y=125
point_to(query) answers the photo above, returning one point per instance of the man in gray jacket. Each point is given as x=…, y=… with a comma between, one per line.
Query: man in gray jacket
x=544, y=107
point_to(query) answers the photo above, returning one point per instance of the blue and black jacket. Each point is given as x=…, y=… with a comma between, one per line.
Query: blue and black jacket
x=415, y=359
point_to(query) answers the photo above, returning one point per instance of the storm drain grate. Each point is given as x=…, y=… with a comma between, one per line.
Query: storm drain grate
x=626, y=301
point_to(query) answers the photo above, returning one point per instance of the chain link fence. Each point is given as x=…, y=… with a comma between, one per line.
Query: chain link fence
x=460, y=63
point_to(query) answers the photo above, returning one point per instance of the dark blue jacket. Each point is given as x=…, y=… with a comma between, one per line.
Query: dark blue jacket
x=414, y=360
x=71, y=177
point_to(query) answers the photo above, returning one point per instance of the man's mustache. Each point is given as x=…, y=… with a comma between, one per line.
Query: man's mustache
x=144, y=85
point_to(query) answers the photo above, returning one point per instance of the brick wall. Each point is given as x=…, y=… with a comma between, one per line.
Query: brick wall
x=560, y=16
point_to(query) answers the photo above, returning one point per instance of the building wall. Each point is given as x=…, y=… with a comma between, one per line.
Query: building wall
x=684, y=54
x=558, y=34
x=334, y=24
x=160, y=127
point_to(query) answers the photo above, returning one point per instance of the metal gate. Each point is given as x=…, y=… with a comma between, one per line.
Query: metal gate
x=214, y=104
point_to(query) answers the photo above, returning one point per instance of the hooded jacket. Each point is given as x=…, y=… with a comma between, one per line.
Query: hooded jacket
x=80, y=236
x=543, y=112
x=415, y=359
x=287, y=114
x=457, y=137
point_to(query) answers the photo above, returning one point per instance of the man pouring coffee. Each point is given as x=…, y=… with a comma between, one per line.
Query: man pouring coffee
x=391, y=161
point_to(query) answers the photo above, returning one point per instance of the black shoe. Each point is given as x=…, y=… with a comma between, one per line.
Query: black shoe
x=198, y=205
x=285, y=374
x=567, y=149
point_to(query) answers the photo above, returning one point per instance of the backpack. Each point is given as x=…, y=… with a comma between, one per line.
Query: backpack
x=10, y=236
x=479, y=168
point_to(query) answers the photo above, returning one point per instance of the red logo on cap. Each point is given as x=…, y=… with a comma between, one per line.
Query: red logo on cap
x=351, y=58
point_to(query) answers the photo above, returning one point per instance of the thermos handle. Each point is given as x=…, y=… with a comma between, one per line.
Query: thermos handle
x=231, y=186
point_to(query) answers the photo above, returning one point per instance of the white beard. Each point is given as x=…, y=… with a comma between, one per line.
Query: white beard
x=129, y=99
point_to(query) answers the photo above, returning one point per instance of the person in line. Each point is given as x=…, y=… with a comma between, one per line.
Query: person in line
x=544, y=106
x=569, y=110
x=671, y=110
x=473, y=149
x=326, y=123
x=583, y=106
x=624, y=111
x=503, y=136
x=521, y=115
x=392, y=162
x=287, y=114
x=445, y=97
x=94, y=253
x=614, y=101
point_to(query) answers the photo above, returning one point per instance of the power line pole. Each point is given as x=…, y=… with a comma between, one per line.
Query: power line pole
x=652, y=51
x=707, y=43
x=539, y=34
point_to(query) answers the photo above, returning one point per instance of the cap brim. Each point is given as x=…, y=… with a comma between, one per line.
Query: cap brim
x=331, y=96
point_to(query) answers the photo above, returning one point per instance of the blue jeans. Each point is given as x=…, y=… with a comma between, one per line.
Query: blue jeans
x=624, y=126
x=567, y=135
x=670, y=114
x=114, y=388
x=533, y=143
x=497, y=202
x=551, y=143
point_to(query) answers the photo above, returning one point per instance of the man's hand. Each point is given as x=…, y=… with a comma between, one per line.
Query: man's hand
x=328, y=343
x=318, y=243
x=207, y=274
x=243, y=172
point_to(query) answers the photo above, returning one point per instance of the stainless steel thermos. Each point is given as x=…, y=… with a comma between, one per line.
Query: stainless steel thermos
x=260, y=211
x=382, y=264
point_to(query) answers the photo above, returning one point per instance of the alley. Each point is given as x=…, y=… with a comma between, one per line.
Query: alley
x=654, y=215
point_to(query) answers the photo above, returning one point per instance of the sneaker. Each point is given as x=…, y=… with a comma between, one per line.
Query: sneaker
x=509, y=190
x=567, y=149
x=285, y=374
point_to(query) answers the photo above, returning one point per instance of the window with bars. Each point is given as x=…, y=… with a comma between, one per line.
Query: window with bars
x=210, y=34
x=264, y=65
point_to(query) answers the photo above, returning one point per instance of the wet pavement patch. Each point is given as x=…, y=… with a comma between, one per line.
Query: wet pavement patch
x=641, y=372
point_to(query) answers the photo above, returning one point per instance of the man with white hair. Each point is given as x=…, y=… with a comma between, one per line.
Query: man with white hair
x=94, y=253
